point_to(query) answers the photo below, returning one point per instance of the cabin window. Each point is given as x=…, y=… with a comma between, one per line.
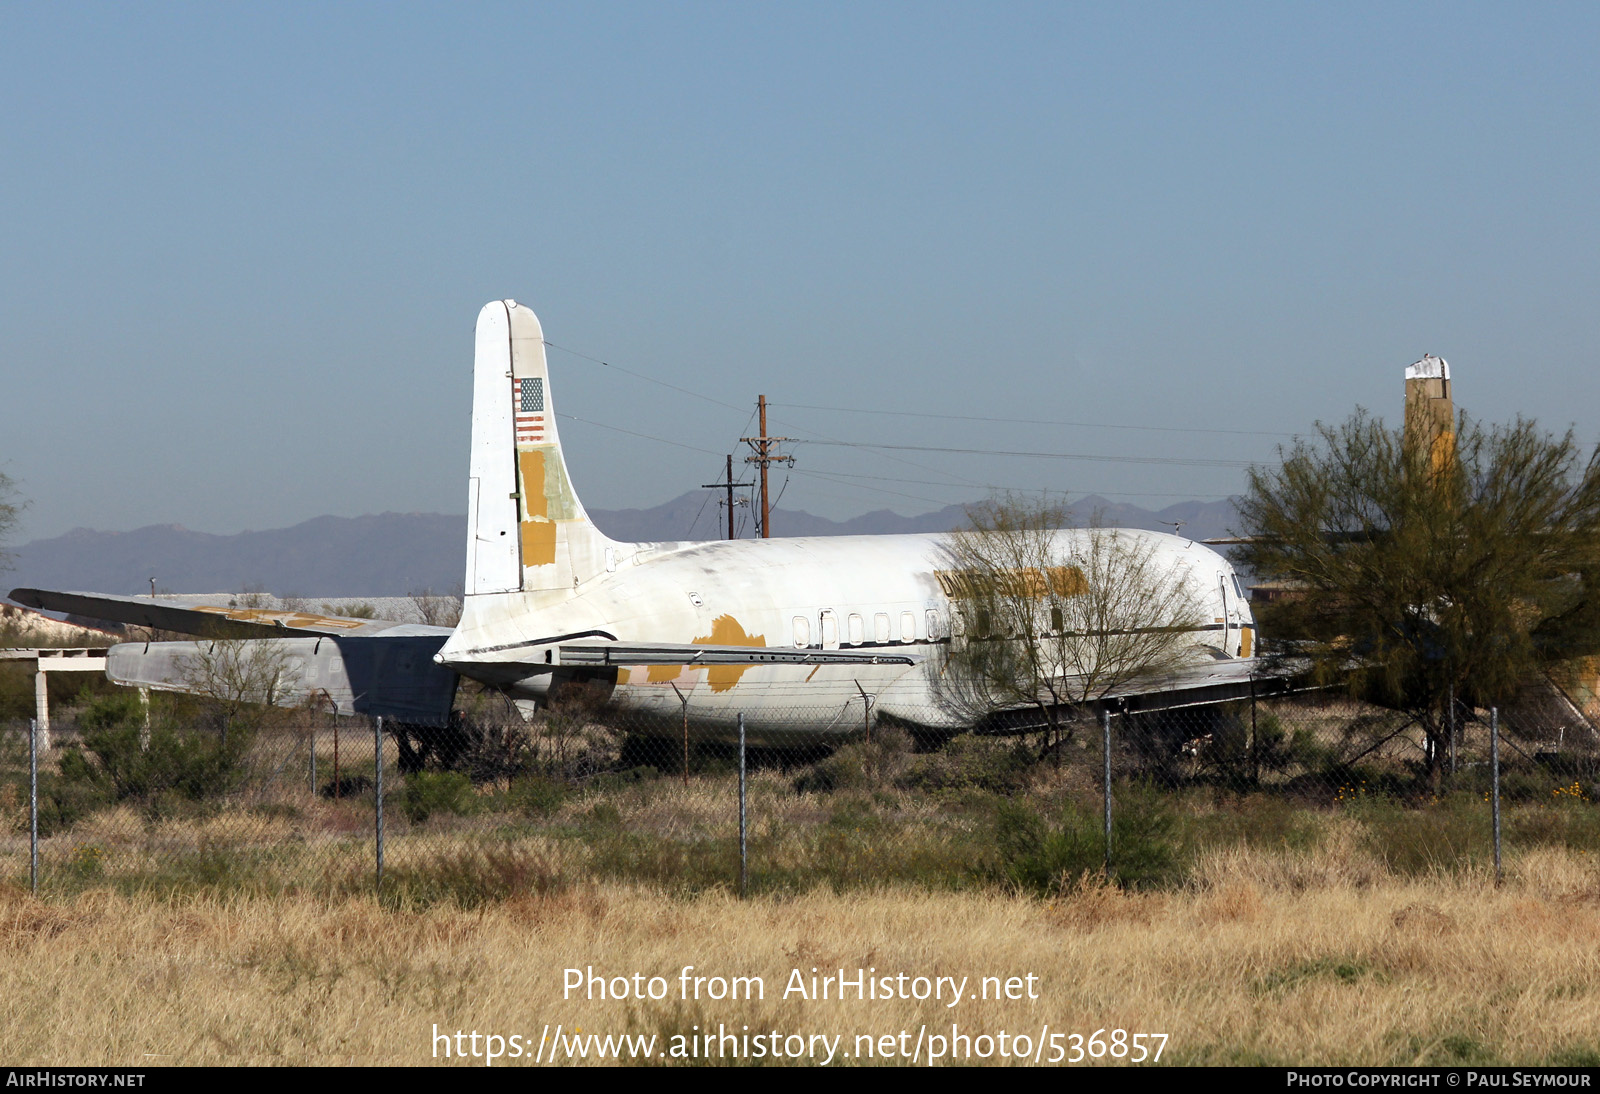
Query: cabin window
x=983, y=623
x=908, y=627
x=858, y=630
x=1057, y=623
x=802, y=632
x=830, y=631
x=880, y=627
x=933, y=625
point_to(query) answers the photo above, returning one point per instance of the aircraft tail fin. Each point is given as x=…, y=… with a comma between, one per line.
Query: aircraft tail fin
x=526, y=529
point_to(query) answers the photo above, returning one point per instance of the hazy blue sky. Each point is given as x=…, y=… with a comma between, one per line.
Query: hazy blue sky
x=243, y=245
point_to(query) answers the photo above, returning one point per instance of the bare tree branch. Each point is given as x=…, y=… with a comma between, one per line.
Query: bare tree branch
x=1045, y=616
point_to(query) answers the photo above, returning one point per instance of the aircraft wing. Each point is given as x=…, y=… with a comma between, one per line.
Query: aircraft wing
x=1202, y=684
x=211, y=622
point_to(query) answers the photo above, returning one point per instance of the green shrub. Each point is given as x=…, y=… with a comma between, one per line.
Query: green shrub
x=469, y=878
x=173, y=764
x=1449, y=834
x=602, y=817
x=536, y=796
x=1044, y=857
x=430, y=792
x=622, y=780
x=1256, y=820
x=971, y=762
x=859, y=765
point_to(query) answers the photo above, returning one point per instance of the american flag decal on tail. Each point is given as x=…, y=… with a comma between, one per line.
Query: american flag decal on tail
x=527, y=399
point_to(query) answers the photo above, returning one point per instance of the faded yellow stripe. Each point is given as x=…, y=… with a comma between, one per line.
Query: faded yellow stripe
x=1244, y=645
x=1028, y=581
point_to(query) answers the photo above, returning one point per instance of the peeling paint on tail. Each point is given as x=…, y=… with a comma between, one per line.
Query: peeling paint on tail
x=527, y=530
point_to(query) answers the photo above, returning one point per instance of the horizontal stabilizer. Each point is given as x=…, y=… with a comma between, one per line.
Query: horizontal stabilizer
x=210, y=622
x=392, y=676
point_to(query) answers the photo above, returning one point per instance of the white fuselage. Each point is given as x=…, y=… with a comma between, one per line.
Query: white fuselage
x=540, y=577
x=844, y=592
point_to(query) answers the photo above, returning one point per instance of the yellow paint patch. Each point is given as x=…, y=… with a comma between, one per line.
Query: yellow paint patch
x=1066, y=580
x=538, y=542
x=624, y=676
x=662, y=674
x=1247, y=641
x=531, y=464
x=291, y=620
x=727, y=631
x=1027, y=581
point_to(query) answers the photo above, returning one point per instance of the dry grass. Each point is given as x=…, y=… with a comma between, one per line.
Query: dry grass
x=1264, y=957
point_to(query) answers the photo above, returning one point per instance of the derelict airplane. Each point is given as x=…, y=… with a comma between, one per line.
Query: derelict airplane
x=795, y=634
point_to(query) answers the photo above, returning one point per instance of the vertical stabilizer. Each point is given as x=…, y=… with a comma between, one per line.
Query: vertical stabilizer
x=526, y=529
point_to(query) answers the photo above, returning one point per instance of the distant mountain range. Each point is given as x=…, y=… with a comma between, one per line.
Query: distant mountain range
x=393, y=554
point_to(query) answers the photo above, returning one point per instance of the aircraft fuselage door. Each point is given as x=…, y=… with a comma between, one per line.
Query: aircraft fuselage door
x=1227, y=612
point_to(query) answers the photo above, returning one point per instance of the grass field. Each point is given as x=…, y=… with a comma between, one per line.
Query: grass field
x=1259, y=957
x=1348, y=919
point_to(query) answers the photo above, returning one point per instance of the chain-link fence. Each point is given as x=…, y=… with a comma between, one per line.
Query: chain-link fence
x=496, y=804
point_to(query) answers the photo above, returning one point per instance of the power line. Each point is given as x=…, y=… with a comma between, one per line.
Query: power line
x=986, y=486
x=838, y=478
x=1039, y=421
x=728, y=486
x=837, y=475
x=926, y=414
x=718, y=402
x=646, y=379
x=631, y=433
x=954, y=477
x=701, y=513
x=950, y=478
x=826, y=477
x=1184, y=461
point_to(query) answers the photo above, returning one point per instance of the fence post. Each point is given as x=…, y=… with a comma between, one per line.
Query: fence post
x=1494, y=774
x=313, y=732
x=377, y=756
x=684, y=701
x=744, y=861
x=41, y=708
x=1105, y=747
x=1450, y=725
x=33, y=805
x=1255, y=749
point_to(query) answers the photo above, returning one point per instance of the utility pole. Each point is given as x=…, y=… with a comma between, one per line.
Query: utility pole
x=764, y=455
x=728, y=486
